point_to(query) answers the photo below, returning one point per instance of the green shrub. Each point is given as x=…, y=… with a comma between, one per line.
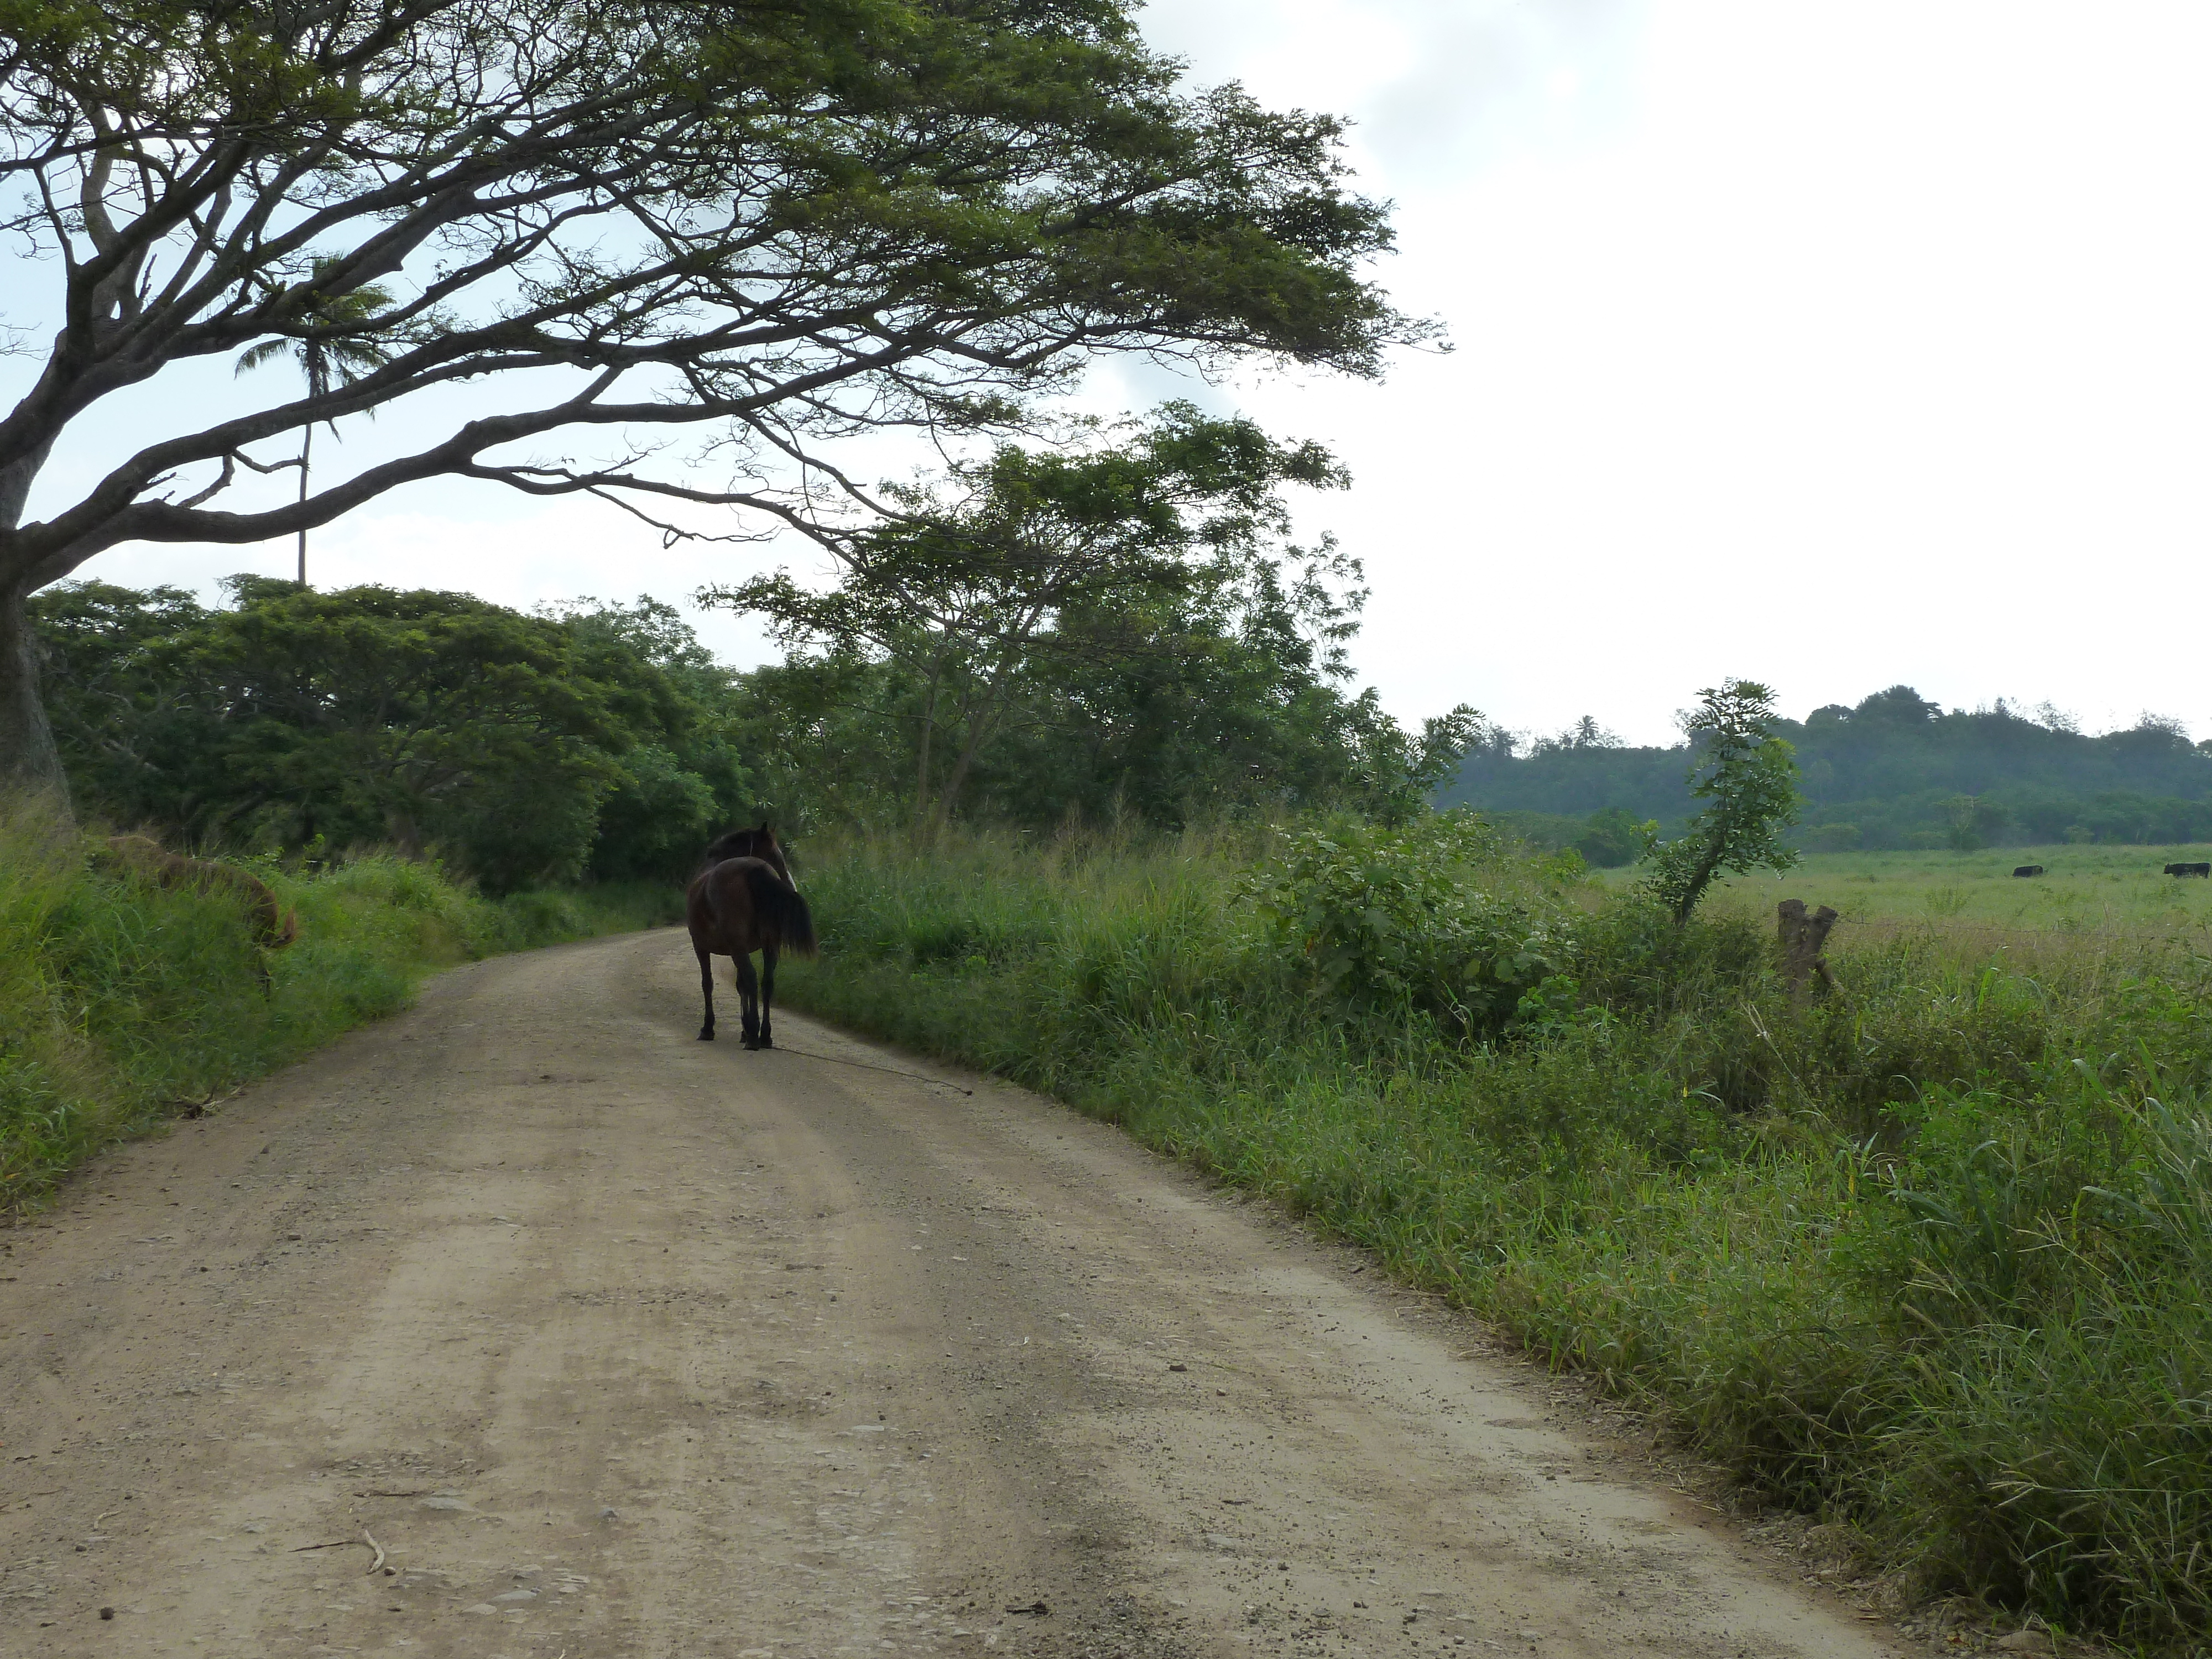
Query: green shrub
x=1612, y=837
x=1393, y=920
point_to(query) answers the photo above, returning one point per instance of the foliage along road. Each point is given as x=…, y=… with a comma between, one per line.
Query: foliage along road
x=615, y=1342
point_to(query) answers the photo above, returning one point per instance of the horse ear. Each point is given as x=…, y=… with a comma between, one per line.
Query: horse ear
x=763, y=829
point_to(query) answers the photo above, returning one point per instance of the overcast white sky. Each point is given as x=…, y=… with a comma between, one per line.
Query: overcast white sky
x=1829, y=345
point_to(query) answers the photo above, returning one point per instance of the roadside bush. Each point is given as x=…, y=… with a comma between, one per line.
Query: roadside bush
x=1399, y=920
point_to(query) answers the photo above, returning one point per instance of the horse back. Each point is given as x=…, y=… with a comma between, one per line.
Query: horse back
x=740, y=905
x=723, y=905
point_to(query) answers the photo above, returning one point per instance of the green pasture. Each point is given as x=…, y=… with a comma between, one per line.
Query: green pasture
x=1972, y=899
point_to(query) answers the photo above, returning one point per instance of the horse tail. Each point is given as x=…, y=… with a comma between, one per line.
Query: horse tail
x=799, y=925
x=784, y=909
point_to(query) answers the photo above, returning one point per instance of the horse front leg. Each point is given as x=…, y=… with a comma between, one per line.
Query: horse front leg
x=707, y=992
x=768, y=993
x=748, y=999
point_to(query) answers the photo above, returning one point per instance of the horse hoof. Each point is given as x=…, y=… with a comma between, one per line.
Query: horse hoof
x=766, y=1042
x=706, y=1036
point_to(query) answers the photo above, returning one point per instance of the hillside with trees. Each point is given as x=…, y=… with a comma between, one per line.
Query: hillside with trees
x=1896, y=771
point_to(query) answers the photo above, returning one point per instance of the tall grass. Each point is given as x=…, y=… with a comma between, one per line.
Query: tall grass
x=1928, y=1256
x=122, y=1002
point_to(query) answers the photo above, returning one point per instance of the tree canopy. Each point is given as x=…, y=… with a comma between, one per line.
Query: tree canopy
x=1119, y=628
x=768, y=224
x=298, y=719
x=601, y=740
x=1052, y=569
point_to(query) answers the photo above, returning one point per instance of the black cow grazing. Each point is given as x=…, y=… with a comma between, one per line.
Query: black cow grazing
x=2027, y=870
x=2205, y=869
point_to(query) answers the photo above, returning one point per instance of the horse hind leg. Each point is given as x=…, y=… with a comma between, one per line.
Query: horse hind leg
x=768, y=993
x=707, y=994
x=748, y=1000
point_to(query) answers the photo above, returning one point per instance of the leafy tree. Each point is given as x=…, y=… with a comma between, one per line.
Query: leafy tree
x=421, y=718
x=1219, y=726
x=1900, y=705
x=771, y=225
x=334, y=354
x=1974, y=822
x=1041, y=565
x=687, y=776
x=829, y=738
x=120, y=724
x=1100, y=633
x=1749, y=777
x=1611, y=838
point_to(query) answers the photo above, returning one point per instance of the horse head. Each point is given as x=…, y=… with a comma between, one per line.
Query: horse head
x=759, y=843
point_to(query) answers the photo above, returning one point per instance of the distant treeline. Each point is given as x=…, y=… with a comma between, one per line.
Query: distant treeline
x=600, y=741
x=1894, y=772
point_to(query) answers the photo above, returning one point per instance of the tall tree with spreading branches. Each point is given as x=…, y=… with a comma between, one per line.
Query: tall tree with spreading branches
x=765, y=223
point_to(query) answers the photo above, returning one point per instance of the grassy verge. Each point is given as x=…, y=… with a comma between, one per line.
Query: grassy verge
x=122, y=1003
x=1928, y=1257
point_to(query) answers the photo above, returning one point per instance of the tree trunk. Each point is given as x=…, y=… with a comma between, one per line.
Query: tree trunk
x=948, y=797
x=307, y=438
x=921, y=770
x=1701, y=877
x=979, y=728
x=29, y=763
x=984, y=721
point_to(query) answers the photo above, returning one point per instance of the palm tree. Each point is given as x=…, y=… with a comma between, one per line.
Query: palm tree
x=325, y=362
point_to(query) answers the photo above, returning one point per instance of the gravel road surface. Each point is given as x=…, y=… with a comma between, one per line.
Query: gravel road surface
x=525, y=1324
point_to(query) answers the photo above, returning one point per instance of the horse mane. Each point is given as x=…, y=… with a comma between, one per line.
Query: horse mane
x=759, y=843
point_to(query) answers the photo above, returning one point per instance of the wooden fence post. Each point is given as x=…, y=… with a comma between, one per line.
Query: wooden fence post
x=1802, y=938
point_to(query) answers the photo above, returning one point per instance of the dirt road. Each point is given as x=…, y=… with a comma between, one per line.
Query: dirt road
x=618, y=1343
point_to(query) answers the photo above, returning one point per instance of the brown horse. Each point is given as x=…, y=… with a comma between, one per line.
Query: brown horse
x=271, y=927
x=743, y=900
